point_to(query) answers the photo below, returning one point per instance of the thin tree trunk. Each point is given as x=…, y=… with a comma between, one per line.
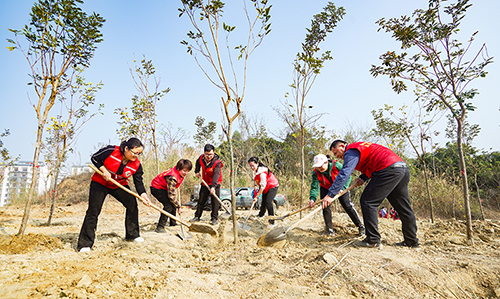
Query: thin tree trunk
x=302, y=174
x=53, y=196
x=465, y=184
x=478, y=195
x=428, y=192
x=231, y=180
x=34, y=178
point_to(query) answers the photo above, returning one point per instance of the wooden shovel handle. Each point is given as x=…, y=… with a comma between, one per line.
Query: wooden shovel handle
x=319, y=208
x=215, y=195
x=139, y=197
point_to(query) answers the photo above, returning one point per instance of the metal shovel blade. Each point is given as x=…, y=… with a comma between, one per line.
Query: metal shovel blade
x=244, y=226
x=226, y=215
x=183, y=234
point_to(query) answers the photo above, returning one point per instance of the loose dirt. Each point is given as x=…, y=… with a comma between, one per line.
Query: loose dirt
x=44, y=262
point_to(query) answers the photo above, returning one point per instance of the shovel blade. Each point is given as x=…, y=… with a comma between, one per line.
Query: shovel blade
x=244, y=226
x=226, y=215
x=202, y=228
x=183, y=235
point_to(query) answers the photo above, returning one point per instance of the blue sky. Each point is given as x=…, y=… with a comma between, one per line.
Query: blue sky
x=344, y=90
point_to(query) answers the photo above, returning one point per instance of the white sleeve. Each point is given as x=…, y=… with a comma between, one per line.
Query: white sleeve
x=263, y=181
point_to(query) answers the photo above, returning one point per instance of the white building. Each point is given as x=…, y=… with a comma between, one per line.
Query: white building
x=75, y=170
x=17, y=177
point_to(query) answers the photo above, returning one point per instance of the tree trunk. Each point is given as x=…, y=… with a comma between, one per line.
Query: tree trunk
x=465, y=185
x=53, y=195
x=428, y=191
x=302, y=168
x=34, y=179
x=478, y=195
x=231, y=180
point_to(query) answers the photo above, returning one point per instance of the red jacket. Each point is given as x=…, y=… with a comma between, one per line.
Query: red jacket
x=112, y=164
x=271, y=180
x=159, y=181
x=374, y=157
x=208, y=173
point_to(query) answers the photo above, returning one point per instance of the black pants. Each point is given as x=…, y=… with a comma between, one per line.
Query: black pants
x=202, y=200
x=267, y=203
x=345, y=201
x=168, y=206
x=390, y=183
x=97, y=194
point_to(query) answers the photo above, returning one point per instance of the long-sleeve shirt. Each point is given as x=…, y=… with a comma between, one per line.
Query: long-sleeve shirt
x=351, y=160
x=315, y=186
x=102, y=154
x=217, y=169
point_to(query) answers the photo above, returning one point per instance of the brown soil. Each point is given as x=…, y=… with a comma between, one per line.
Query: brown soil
x=44, y=263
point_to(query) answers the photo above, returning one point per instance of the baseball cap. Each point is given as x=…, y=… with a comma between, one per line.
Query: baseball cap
x=319, y=160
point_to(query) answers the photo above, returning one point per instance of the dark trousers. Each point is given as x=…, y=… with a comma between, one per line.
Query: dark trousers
x=202, y=200
x=168, y=206
x=97, y=194
x=267, y=203
x=345, y=201
x=390, y=183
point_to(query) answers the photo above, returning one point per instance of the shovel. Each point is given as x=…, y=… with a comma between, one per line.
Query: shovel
x=194, y=227
x=182, y=234
x=228, y=213
x=279, y=233
x=292, y=213
x=244, y=225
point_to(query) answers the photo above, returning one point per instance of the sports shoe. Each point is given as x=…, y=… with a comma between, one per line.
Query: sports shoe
x=215, y=222
x=160, y=230
x=85, y=249
x=329, y=232
x=407, y=244
x=139, y=239
x=361, y=230
x=195, y=219
x=367, y=244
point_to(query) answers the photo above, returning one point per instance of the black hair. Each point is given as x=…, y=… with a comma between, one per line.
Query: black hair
x=336, y=142
x=208, y=147
x=131, y=144
x=184, y=164
x=329, y=158
x=260, y=164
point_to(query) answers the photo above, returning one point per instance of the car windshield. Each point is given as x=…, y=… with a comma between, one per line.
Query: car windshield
x=224, y=191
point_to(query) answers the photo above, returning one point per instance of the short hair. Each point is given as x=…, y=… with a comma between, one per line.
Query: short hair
x=208, y=147
x=131, y=144
x=336, y=142
x=184, y=164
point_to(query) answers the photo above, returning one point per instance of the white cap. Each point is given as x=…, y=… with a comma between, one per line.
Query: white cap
x=319, y=160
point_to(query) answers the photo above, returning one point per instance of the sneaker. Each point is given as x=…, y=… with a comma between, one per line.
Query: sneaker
x=329, y=232
x=160, y=230
x=214, y=222
x=407, y=244
x=361, y=230
x=139, y=239
x=85, y=249
x=367, y=244
x=195, y=219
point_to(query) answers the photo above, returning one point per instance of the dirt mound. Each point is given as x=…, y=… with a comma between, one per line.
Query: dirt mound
x=24, y=244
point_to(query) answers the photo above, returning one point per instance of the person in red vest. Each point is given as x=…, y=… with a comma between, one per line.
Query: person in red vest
x=164, y=187
x=322, y=179
x=267, y=185
x=208, y=167
x=119, y=163
x=388, y=178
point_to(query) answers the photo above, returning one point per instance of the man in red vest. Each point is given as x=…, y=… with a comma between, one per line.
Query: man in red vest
x=208, y=167
x=388, y=178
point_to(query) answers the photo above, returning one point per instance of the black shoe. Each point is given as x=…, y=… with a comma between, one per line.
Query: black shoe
x=416, y=245
x=365, y=243
x=361, y=230
x=195, y=219
x=214, y=222
x=329, y=232
x=160, y=230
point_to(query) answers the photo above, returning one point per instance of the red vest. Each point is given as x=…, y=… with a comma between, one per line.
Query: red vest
x=208, y=173
x=271, y=180
x=112, y=163
x=374, y=157
x=159, y=181
x=323, y=180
